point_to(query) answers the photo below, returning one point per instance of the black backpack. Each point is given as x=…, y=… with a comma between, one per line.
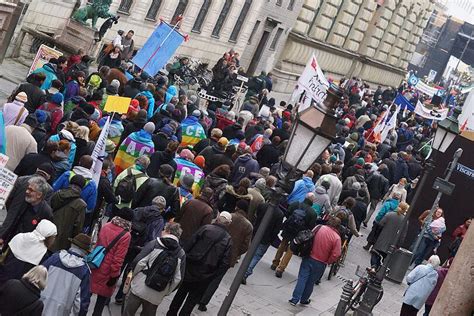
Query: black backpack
x=127, y=187
x=295, y=223
x=302, y=244
x=162, y=270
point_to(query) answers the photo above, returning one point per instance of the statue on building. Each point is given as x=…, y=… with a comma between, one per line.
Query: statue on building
x=95, y=10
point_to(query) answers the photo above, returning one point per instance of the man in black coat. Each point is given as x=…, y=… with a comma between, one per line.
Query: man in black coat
x=283, y=133
x=31, y=162
x=360, y=208
x=207, y=257
x=377, y=185
x=269, y=153
x=159, y=158
x=32, y=88
x=26, y=207
x=391, y=163
x=271, y=233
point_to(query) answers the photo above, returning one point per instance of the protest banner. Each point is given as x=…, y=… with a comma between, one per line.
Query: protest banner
x=422, y=87
x=117, y=104
x=313, y=82
x=392, y=123
x=98, y=155
x=3, y=160
x=159, y=48
x=43, y=55
x=403, y=103
x=431, y=114
x=7, y=181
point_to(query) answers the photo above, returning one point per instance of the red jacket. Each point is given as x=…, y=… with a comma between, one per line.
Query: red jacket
x=326, y=245
x=110, y=267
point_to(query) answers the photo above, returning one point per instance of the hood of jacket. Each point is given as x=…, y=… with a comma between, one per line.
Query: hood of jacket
x=215, y=181
x=217, y=150
x=70, y=260
x=244, y=158
x=308, y=183
x=50, y=68
x=66, y=194
x=147, y=94
x=320, y=190
x=169, y=242
x=86, y=173
x=230, y=189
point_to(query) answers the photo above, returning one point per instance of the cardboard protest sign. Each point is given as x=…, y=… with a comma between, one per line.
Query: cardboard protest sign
x=117, y=104
x=313, y=82
x=7, y=181
x=44, y=54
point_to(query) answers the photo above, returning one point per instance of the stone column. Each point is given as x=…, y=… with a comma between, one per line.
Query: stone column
x=456, y=296
x=10, y=12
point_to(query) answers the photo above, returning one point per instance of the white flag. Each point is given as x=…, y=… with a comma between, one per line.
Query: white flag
x=392, y=123
x=98, y=154
x=313, y=81
x=433, y=114
x=381, y=124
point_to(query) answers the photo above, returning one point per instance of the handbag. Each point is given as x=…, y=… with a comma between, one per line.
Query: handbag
x=96, y=257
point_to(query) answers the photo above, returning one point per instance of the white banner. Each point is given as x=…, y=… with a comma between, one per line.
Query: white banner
x=98, y=154
x=314, y=83
x=433, y=114
x=7, y=181
x=392, y=123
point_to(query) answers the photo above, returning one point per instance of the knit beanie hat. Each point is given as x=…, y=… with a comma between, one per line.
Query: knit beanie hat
x=200, y=161
x=149, y=127
x=57, y=98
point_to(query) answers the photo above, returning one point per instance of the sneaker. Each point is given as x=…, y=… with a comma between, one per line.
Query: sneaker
x=305, y=303
x=202, y=308
x=278, y=274
x=292, y=303
x=367, y=247
x=244, y=281
x=317, y=282
x=365, y=224
x=273, y=267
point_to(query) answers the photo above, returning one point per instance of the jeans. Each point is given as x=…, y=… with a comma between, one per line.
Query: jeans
x=426, y=246
x=261, y=250
x=310, y=271
x=192, y=293
x=373, y=206
x=284, y=248
x=133, y=302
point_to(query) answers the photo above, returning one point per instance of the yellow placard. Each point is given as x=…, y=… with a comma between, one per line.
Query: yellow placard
x=117, y=104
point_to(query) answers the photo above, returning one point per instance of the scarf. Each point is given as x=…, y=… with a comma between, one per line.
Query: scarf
x=192, y=132
x=135, y=145
x=30, y=247
x=122, y=223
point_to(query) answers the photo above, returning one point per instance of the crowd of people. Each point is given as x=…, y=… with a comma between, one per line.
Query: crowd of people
x=185, y=185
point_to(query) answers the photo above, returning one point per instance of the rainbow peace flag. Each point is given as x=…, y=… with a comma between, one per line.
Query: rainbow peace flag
x=135, y=145
x=192, y=131
x=182, y=167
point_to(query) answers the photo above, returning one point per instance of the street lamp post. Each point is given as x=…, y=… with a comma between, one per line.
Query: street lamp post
x=312, y=132
x=445, y=134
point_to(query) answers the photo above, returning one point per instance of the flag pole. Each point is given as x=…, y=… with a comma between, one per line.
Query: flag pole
x=178, y=23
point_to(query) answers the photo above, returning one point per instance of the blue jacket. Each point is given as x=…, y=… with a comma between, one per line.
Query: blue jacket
x=89, y=192
x=389, y=206
x=421, y=281
x=151, y=102
x=72, y=152
x=243, y=166
x=67, y=289
x=50, y=73
x=301, y=188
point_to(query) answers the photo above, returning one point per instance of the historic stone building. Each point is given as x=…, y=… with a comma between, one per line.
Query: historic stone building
x=372, y=40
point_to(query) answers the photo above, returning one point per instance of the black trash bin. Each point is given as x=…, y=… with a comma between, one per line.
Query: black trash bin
x=399, y=265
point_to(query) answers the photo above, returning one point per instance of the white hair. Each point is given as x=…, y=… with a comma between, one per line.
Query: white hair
x=434, y=261
x=38, y=276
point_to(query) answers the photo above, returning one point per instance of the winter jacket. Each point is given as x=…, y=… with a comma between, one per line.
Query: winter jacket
x=36, y=96
x=442, y=272
x=240, y=230
x=105, y=192
x=140, y=179
x=68, y=215
x=49, y=70
x=397, y=189
x=230, y=198
x=159, y=158
x=377, y=185
x=67, y=291
x=151, y=102
x=20, y=298
x=243, y=167
x=391, y=164
x=218, y=160
x=326, y=245
x=194, y=214
x=309, y=220
x=83, y=148
x=321, y=200
x=257, y=199
x=421, y=282
x=335, y=188
x=230, y=132
x=204, y=143
x=208, y=253
x=110, y=267
x=151, y=217
x=145, y=259
x=268, y=155
x=20, y=143
x=72, y=152
x=360, y=212
x=88, y=193
x=400, y=171
x=390, y=224
x=389, y=205
x=71, y=90
x=275, y=225
x=132, y=127
x=31, y=162
x=218, y=186
x=154, y=187
x=14, y=112
x=300, y=190
x=209, y=153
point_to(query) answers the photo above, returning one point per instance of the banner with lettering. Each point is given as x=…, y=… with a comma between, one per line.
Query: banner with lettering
x=184, y=166
x=431, y=114
x=423, y=87
x=98, y=155
x=313, y=82
x=468, y=172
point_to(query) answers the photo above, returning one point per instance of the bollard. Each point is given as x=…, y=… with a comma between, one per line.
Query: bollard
x=346, y=295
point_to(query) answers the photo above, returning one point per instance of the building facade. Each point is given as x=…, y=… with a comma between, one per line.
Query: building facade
x=371, y=40
x=256, y=29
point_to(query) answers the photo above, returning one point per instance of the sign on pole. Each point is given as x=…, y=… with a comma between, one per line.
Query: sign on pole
x=313, y=82
x=7, y=181
x=44, y=54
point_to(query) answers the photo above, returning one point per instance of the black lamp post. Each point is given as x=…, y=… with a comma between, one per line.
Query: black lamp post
x=313, y=131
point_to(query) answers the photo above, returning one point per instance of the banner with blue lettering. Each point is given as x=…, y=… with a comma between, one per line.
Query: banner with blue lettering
x=158, y=49
x=403, y=103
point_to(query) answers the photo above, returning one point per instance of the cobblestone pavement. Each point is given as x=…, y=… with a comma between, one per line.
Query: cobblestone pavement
x=264, y=294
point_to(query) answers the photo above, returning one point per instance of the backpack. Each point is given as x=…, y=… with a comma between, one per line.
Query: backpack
x=127, y=187
x=302, y=244
x=295, y=223
x=162, y=270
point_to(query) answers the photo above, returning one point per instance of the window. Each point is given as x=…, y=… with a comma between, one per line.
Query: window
x=278, y=3
x=182, y=4
x=254, y=30
x=201, y=16
x=291, y=4
x=240, y=21
x=276, y=38
x=220, y=21
x=125, y=6
x=153, y=11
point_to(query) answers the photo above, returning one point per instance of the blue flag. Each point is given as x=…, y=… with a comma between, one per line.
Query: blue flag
x=3, y=141
x=158, y=49
x=403, y=103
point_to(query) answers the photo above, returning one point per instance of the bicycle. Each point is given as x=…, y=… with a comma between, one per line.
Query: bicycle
x=340, y=262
